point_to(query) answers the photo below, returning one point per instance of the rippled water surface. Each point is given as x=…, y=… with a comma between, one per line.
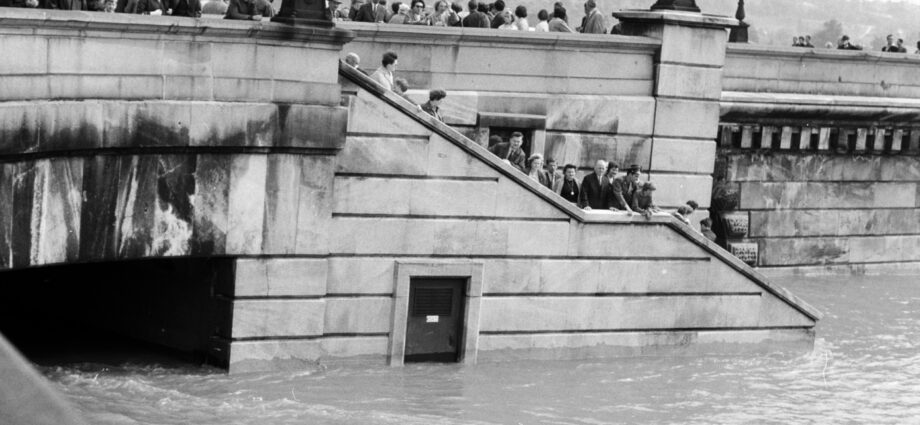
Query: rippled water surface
x=865, y=368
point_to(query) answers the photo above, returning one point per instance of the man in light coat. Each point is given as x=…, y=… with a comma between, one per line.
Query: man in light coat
x=594, y=19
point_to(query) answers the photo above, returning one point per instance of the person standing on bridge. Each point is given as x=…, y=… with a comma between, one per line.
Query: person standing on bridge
x=624, y=189
x=510, y=152
x=567, y=187
x=433, y=105
x=475, y=19
x=595, y=188
x=594, y=20
x=384, y=74
x=253, y=10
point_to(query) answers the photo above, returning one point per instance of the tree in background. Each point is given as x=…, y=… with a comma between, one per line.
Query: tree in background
x=830, y=31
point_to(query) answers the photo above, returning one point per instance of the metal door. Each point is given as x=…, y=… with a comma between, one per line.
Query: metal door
x=435, y=322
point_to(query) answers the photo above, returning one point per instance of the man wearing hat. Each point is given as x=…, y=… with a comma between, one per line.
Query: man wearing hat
x=594, y=20
x=624, y=189
x=642, y=200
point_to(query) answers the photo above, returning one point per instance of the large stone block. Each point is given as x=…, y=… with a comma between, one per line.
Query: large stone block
x=361, y=276
x=184, y=58
x=120, y=87
x=252, y=356
x=900, y=168
x=280, y=277
x=643, y=241
x=695, y=46
x=791, y=167
x=266, y=318
x=604, y=114
x=368, y=115
x=686, y=119
x=877, y=222
x=234, y=124
x=243, y=90
x=211, y=204
x=25, y=87
x=513, y=200
x=827, y=195
x=69, y=125
x=314, y=211
x=282, y=201
x=679, y=155
x=674, y=190
x=147, y=124
x=242, y=60
x=689, y=82
x=611, y=276
x=24, y=54
x=390, y=196
x=775, y=223
x=320, y=127
x=79, y=55
x=542, y=314
x=447, y=159
x=246, y=204
x=583, y=150
x=359, y=315
x=804, y=251
x=383, y=155
x=56, y=210
x=363, y=349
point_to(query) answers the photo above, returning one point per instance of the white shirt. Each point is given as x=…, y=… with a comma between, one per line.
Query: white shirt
x=543, y=26
x=384, y=77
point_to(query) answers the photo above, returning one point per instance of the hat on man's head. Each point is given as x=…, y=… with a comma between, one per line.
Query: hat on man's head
x=633, y=169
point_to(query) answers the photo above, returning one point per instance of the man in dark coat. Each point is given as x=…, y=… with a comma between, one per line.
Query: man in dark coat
x=189, y=8
x=253, y=10
x=595, y=188
x=372, y=11
x=511, y=151
x=475, y=19
x=624, y=188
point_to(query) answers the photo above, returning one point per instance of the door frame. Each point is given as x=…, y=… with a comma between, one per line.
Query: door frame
x=405, y=271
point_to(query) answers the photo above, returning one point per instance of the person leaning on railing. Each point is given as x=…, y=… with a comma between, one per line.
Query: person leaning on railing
x=253, y=10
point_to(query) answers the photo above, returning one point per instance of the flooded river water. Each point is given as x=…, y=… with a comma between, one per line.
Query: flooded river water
x=864, y=369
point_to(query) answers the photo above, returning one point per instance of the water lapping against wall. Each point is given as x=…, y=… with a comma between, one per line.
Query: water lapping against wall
x=865, y=368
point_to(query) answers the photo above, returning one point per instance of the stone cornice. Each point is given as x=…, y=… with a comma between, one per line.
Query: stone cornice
x=671, y=17
x=17, y=20
x=409, y=34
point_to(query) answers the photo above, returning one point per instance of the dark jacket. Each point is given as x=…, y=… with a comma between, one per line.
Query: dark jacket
x=190, y=8
x=622, y=193
x=432, y=110
x=147, y=6
x=371, y=12
x=242, y=10
x=476, y=20
x=516, y=158
x=594, y=193
x=567, y=190
x=543, y=178
x=64, y=4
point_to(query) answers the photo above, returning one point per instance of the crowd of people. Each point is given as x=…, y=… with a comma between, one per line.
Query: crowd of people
x=495, y=15
x=892, y=45
x=414, y=12
x=605, y=189
x=230, y=9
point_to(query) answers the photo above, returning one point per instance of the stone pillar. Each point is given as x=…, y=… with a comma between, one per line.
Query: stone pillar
x=688, y=87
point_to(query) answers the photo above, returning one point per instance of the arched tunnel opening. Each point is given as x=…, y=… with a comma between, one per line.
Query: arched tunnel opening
x=144, y=311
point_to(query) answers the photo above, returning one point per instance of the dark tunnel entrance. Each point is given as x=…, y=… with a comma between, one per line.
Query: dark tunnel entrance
x=144, y=311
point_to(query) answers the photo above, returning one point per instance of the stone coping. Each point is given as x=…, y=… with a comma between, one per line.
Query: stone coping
x=675, y=17
x=819, y=100
x=575, y=213
x=414, y=34
x=37, y=20
x=821, y=108
x=818, y=53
